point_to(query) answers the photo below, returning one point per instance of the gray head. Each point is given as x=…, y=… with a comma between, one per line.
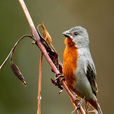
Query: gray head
x=79, y=35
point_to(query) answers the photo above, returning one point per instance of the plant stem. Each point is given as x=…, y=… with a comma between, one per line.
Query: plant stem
x=39, y=85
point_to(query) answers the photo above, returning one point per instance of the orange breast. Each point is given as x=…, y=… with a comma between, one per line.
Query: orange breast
x=70, y=62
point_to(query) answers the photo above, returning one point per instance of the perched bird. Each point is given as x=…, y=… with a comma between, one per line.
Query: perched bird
x=78, y=67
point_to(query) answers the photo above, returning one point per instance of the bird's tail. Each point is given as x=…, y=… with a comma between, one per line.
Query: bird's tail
x=96, y=105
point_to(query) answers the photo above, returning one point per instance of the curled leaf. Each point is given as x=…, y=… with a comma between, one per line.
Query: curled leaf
x=46, y=36
x=18, y=73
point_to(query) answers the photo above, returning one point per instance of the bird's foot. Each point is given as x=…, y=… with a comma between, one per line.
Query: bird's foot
x=58, y=81
x=76, y=108
x=60, y=77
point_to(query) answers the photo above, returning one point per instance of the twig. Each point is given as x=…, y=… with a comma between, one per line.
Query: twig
x=43, y=50
x=39, y=85
x=74, y=106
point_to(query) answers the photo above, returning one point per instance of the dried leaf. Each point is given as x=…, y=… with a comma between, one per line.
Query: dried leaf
x=46, y=34
x=52, y=53
x=18, y=73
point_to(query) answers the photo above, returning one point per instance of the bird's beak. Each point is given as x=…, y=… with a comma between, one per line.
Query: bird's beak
x=67, y=34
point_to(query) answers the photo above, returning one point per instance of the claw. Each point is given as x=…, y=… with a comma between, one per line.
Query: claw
x=60, y=77
x=57, y=83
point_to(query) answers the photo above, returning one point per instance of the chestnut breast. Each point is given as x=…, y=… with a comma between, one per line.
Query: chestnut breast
x=70, y=62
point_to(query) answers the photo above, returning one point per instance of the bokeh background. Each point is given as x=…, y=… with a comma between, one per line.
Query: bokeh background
x=58, y=15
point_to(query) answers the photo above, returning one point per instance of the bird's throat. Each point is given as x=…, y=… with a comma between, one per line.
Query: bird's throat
x=69, y=42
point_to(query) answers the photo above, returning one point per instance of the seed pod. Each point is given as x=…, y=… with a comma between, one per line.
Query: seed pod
x=14, y=67
x=18, y=73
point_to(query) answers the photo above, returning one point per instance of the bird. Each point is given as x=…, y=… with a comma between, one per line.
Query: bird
x=78, y=67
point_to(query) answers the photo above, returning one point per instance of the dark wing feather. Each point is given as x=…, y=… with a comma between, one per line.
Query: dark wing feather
x=91, y=75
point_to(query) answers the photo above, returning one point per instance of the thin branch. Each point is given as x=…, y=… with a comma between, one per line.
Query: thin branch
x=39, y=85
x=43, y=50
x=29, y=19
x=74, y=106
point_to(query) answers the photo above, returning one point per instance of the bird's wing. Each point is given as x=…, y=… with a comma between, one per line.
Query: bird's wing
x=91, y=76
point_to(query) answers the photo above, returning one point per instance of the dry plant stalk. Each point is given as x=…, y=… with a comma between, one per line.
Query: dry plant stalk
x=39, y=85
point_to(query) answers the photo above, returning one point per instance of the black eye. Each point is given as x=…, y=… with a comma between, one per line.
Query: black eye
x=76, y=33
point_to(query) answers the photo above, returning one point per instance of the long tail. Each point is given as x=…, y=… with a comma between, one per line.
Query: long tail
x=96, y=105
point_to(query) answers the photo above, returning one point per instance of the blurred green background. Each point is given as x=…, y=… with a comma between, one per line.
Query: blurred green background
x=58, y=15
